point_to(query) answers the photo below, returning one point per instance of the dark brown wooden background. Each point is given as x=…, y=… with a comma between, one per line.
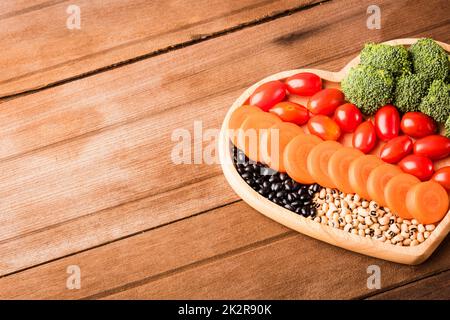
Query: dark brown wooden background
x=86, y=176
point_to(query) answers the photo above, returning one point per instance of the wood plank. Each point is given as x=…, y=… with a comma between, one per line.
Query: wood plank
x=111, y=32
x=150, y=254
x=95, y=144
x=435, y=287
x=295, y=267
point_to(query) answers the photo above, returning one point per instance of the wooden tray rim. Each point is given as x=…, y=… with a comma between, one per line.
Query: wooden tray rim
x=368, y=246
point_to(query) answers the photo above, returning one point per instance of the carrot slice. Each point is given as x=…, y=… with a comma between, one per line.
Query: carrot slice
x=427, y=202
x=237, y=118
x=317, y=162
x=338, y=167
x=295, y=157
x=378, y=179
x=249, y=133
x=395, y=193
x=359, y=171
x=274, y=142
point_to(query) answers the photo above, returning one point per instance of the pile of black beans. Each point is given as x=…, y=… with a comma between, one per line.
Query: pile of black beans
x=275, y=186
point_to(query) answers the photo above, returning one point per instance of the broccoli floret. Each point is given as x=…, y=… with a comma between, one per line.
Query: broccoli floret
x=429, y=59
x=383, y=56
x=447, y=127
x=409, y=91
x=436, y=103
x=368, y=88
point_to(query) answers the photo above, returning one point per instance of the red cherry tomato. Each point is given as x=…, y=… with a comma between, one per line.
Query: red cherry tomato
x=324, y=127
x=291, y=112
x=434, y=147
x=326, y=101
x=365, y=138
x=348, y=117
x=304, y=84
x=417, y=125
x=442, y=176
x=418, y=166
x=268, y=94
x=396, y=149
x=387, y=122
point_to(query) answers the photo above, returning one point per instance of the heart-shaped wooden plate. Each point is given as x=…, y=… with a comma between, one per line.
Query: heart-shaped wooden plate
x=368, y=246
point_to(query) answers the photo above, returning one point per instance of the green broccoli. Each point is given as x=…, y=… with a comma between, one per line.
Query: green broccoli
x=429, y=59
x=447, y=127
x=409, y=91
x=436, y=103
x=368, y=88
x=383, y=56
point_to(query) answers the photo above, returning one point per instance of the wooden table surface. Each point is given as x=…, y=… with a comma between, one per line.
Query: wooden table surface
x=85, y=153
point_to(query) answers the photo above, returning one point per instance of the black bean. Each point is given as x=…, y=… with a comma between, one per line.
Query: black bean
x=307, y=203
x=283, y=176
x=276, y=186
x=295, y=204
x=274, y=178
x=289, y=197
x=247, y=175
x=297, y=210
x=303, y=197
x=287, y=206
x=266, y=184
x=281, y=194
x=304, y=211
x=311, y=192
x=271, y=195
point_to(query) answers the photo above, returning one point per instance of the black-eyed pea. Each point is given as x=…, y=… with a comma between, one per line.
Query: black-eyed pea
x=420, y=237
x=426, y=234
x=414, y=243
x=421, y=228
x=361, y=232
x=430, y=227
x=406, y=242
x=348, y=227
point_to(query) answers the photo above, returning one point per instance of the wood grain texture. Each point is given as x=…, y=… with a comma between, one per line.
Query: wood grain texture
x=82, y=161
x=111, y=32
x=148, y=255
x=92, y=145
x=436, y=287
x=295, y=267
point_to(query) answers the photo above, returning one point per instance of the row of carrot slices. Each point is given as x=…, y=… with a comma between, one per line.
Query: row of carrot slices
x=307, y=159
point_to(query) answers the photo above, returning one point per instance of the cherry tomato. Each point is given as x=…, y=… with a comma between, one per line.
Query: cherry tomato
x=365, y=138
x=417, y=125
x=291, y=112
x=387, y=122
x=434, y=147
x=396, y=149
x=418, y=166
x=268, y=94
x=304, y=84
x=348, y=117
x=442, y=176
x=324, y=127
x=326, y=101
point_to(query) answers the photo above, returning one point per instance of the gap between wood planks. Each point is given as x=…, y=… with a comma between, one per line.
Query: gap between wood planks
x=167, y=49
x=405, y=284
